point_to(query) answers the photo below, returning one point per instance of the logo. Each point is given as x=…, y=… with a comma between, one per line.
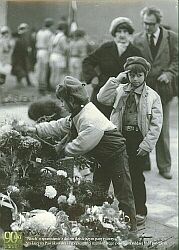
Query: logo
x=13, y=240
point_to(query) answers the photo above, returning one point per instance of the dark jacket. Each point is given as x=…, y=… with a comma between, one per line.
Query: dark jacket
x=166, y=60
x=105, y=62
x=20, y=57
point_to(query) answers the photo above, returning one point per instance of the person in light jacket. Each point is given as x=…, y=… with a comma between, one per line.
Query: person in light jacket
x=88, y=132
x=43, y=39
x=58, y=55
x=137, y=113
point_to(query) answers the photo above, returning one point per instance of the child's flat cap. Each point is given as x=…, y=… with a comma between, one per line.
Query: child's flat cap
x=72, y=87
x=137, y=60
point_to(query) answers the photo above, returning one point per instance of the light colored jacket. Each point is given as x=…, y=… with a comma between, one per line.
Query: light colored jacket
x=43, y=39
x=59, y=44
x=90, y=124
x=150, y=115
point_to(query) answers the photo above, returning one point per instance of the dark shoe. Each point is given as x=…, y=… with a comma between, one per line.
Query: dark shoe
x=166, y=175
x=140, y=219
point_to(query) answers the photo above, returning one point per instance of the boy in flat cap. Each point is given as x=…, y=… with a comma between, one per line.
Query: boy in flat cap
x=109, y=58
x=137, y=113
x=88, y=131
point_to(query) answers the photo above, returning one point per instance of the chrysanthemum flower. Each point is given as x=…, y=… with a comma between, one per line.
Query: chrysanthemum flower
x=50, y=192
x=61, y=172
x=62, y=199
x=71, y=199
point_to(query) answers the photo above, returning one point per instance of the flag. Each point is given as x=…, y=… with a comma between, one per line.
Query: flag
x=73, y=25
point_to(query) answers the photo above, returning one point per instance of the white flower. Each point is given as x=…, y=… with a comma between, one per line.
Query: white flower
x=13, y=189
x=71, y=199
x=50, y=192
x=15, y=226
x=41, y=221
x=107, y=225
x=95, y=210
x=62, y=199
x=75, y=231
x=21, y=123
x=61, y=172
x=5, y=129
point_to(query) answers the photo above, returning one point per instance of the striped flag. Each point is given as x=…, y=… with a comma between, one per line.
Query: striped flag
x=72, y=20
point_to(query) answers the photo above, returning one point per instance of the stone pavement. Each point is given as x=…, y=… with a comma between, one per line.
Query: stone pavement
x=162, y=194
x=161, y=226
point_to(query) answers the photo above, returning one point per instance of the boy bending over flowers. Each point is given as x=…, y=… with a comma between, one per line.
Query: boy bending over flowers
x=88, y=132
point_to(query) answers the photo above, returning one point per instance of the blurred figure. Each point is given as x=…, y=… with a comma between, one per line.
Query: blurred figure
x=160, y=47
x=108, y=60
x=78, y=51
x=43, y=39
x=6, y=48
x=58, y=57
x=32, y=38
x=20, y=56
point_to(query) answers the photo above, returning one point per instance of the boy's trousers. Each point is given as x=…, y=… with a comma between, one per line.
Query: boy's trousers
x=112, y=156
x=136, y=165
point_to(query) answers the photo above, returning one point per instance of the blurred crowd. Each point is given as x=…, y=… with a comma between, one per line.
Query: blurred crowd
x=50, y=53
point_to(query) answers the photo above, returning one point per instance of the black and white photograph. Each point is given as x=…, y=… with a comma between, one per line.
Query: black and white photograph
x=88, y=124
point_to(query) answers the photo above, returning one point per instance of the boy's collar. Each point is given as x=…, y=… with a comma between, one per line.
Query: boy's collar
x=77, y=110
x=138, y=90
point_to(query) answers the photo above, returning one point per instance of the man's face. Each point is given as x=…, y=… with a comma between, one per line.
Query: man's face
x=122, y=36
x=150, y=24
x=136, y=79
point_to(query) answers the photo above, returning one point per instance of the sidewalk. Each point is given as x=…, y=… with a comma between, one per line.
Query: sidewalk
x=162, y=194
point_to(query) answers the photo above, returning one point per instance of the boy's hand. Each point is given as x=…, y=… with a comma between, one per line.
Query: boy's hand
x=95, y=81
x=122, y=76
x=27, y=129
x=141, y=152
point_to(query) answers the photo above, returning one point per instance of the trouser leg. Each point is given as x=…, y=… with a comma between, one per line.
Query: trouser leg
x=42, y=69
x=136, y=164
x=123, y=186
x=163, y=156
x=28, y=79
x=102, y=178
x=52, y=73
x=117, y=171
x=42, y=80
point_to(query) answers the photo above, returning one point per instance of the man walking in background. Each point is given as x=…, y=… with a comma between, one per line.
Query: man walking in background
x=159, y=47
x=20, y=55
x=43, y=39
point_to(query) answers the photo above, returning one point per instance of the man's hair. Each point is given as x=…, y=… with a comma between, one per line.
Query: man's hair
x=48, y=22
x=152, y=11
x=63, y=26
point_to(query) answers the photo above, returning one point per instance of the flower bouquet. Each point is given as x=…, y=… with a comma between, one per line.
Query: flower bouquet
x=54, y=198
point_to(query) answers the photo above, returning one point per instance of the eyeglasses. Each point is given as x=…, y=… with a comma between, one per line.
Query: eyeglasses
x=150, y=24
